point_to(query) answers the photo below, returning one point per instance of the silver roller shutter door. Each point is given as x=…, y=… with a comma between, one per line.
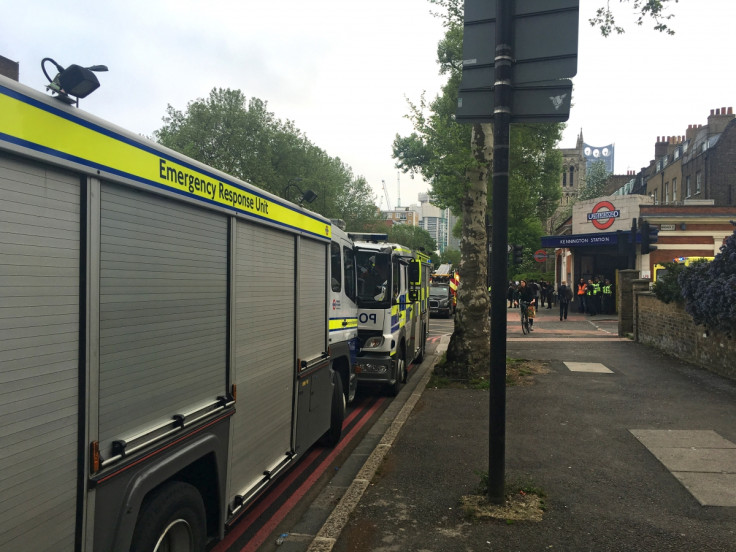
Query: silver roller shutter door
x=39, y=356
x=312, y=299
x=163, y=310
x=264, y=352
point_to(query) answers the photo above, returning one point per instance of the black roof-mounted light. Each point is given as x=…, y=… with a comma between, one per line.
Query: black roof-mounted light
x=306, y=197
x=75, y=80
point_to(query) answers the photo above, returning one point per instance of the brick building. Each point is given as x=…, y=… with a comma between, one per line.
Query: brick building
x=686, y=231
x=573, y=171
x=698, y=167
x=599, y=238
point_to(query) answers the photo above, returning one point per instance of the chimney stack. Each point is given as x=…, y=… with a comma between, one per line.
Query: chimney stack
x=718, y=120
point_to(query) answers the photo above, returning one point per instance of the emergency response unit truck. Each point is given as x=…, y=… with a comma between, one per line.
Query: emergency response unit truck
x=149, y=389
x=343, y=309
x=393, y=309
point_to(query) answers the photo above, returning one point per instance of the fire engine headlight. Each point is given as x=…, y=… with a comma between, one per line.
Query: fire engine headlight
x=370, y=368
x=373, y=342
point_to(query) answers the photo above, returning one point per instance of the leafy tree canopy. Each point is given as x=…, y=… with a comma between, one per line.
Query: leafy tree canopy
x=413, y=237
x=440, y=149
x=241, y=137
x=450, y=256
x=595, y=181
x=605, y=18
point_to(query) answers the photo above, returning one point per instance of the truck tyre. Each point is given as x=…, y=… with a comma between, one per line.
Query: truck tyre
x=393, y=390
x=171, y=519
x=337, y=415
x=422, y=348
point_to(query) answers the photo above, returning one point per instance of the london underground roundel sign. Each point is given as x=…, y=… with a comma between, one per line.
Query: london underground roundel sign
x=604, y=214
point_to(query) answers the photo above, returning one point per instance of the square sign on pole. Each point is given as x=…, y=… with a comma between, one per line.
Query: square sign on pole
x=541, y=102
x=544, y=43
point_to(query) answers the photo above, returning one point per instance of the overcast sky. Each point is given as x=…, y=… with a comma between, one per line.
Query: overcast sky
x=342, y=70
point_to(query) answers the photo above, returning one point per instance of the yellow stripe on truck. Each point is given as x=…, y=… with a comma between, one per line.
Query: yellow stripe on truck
x=45, y=130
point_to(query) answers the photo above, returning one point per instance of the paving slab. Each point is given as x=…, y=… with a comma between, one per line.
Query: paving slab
x=593, y=367
x=710, y=489
x=705, y=460
x=682, y=438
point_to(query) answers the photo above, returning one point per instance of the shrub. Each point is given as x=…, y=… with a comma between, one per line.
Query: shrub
x=667, y=288
x=709, y=288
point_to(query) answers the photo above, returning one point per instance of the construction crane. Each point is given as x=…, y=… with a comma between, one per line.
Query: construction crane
x=385, y=191
x=398, y=189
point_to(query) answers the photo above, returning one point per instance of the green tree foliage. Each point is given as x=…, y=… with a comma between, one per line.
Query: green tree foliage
x=595, y=181
x=413, y=237
x=666, y=288
x=450, y=256
x=655, y=10
x=454, y=159
x=440, y=148
x=240, y=137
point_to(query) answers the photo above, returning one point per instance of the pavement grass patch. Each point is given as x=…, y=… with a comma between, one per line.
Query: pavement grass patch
x=519, y=371
x=524, y=501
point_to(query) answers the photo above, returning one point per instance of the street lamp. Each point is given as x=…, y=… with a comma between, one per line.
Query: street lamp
x=75, y=81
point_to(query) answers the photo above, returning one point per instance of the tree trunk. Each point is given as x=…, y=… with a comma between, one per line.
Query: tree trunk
x=469, y=348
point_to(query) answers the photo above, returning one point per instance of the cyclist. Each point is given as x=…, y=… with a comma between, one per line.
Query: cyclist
x=526, y=299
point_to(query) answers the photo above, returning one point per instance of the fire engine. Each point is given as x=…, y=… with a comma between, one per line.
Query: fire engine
x=393, y=309
x=151, y=390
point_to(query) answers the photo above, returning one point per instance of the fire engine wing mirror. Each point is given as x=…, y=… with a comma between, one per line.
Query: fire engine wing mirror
x=414, y=271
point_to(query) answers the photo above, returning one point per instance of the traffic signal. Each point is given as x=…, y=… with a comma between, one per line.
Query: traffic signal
x=517, y=254
x=622, y=243
x=649, y=236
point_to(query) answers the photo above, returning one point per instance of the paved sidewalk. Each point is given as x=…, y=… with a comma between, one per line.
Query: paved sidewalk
x=634, y=450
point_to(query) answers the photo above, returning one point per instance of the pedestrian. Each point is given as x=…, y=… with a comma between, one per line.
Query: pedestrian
x=536, y=289
x=597, y=295
x=590, y=298
x=542, y=293
x=510, y=294
x=550, y=295
x=527, y=299
x=564, y=296
x=608, y=302
x=581, y=292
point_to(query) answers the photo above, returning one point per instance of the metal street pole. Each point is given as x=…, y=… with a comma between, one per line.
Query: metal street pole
x=499, y=281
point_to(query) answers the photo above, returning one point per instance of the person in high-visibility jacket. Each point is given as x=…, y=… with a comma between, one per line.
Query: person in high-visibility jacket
x=581, y=292
x=590, y=299
x=595, y=296
x=608, y=302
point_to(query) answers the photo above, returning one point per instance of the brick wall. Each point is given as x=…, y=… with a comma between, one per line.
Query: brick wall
x=669, y=328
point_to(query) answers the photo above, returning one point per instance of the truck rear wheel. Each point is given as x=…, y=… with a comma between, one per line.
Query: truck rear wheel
x=422, y=347
x=337, y=414
x=400, y=374
x=172, y=519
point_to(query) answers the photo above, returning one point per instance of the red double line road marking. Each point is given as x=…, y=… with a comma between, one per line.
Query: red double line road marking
x=274, y=493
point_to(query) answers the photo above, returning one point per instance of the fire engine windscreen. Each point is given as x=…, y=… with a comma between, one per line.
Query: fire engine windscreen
x=440, y=290
x=374, y=279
